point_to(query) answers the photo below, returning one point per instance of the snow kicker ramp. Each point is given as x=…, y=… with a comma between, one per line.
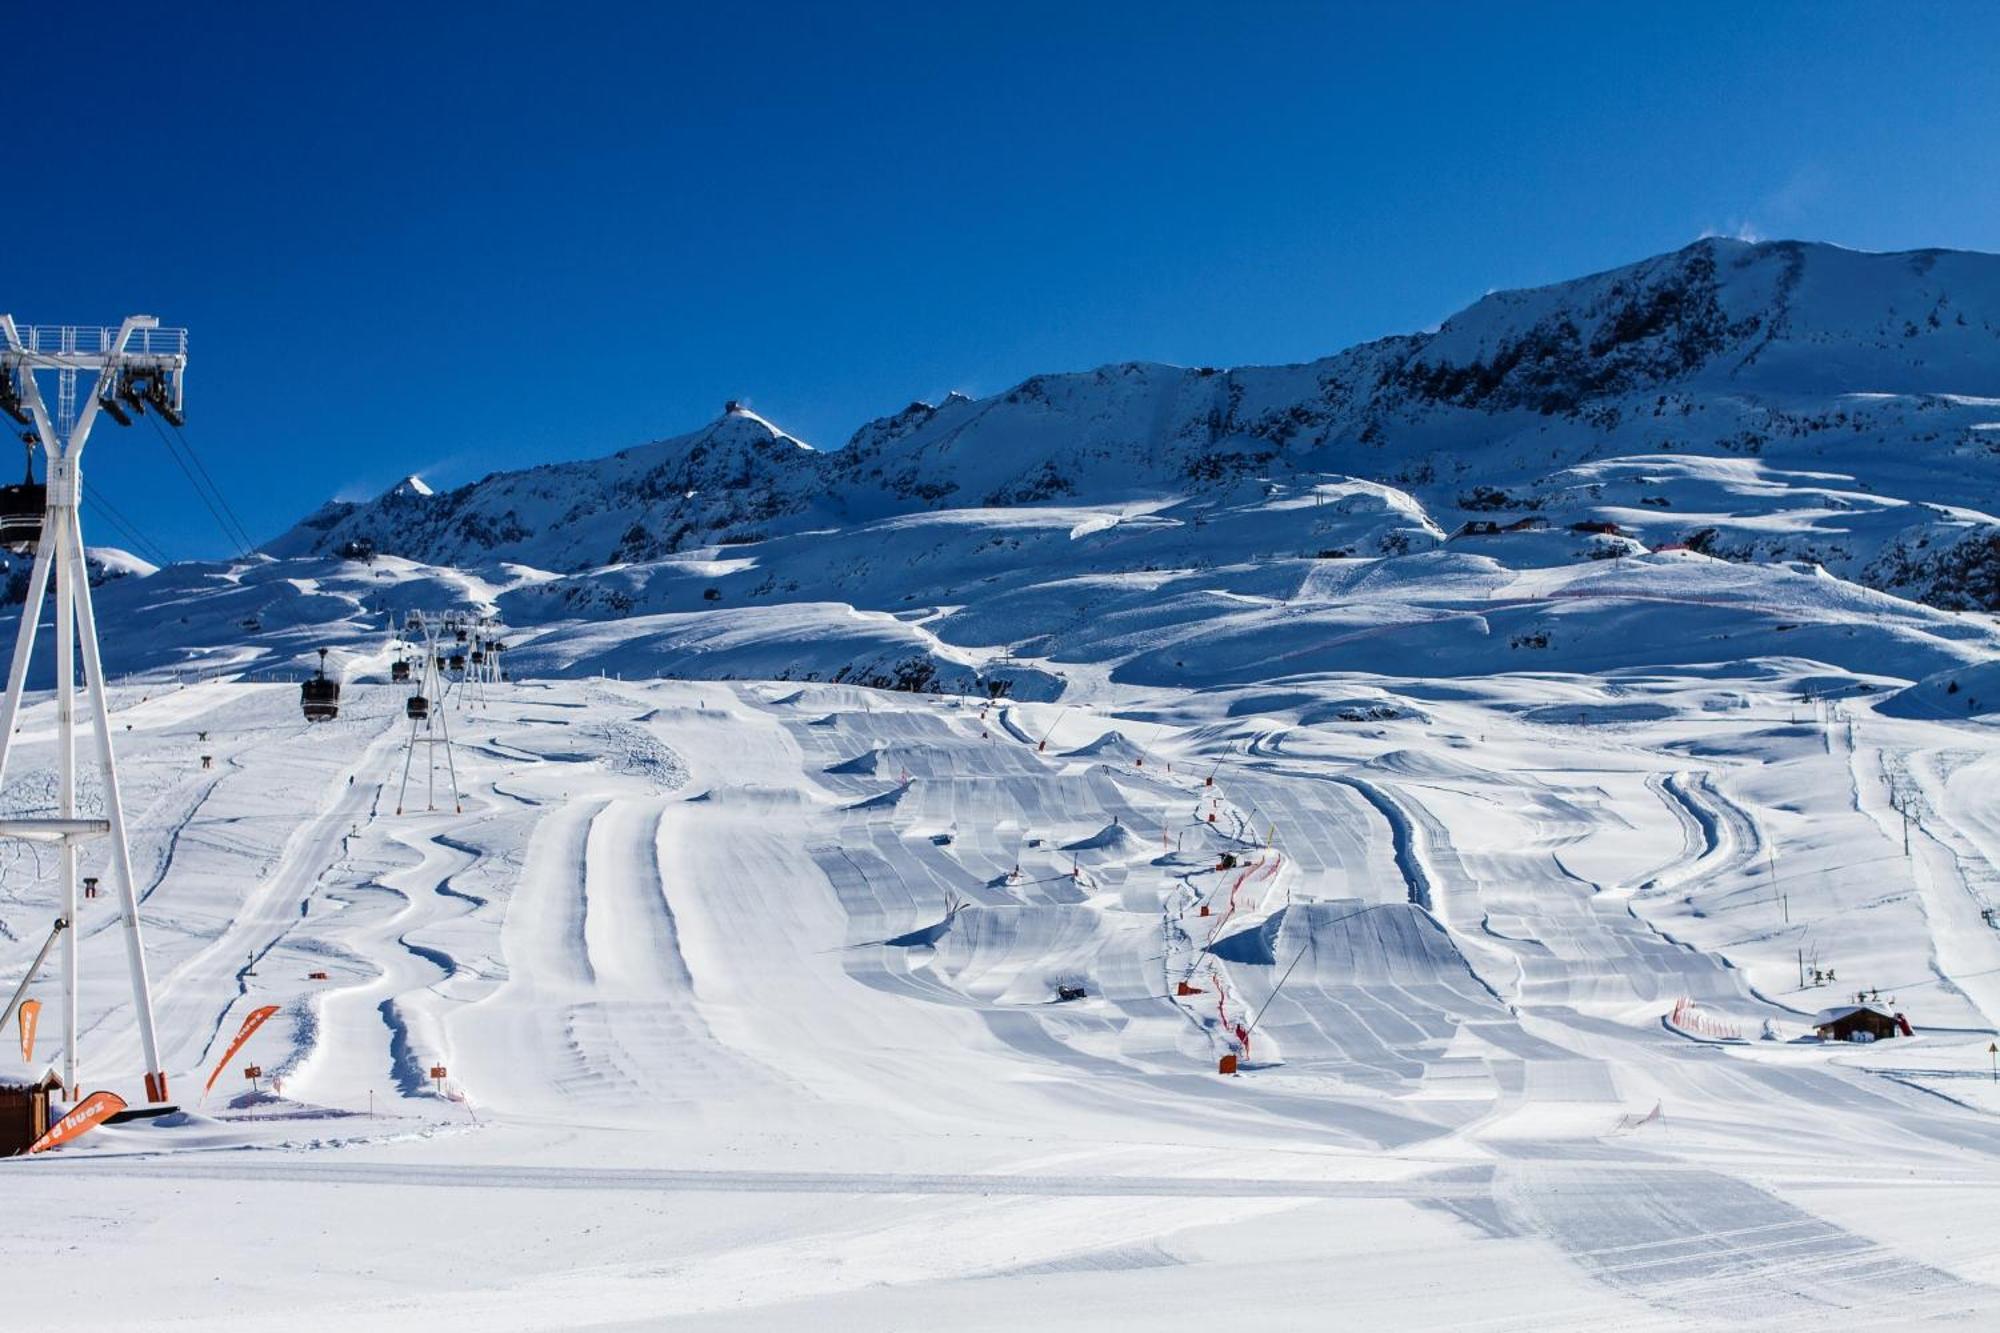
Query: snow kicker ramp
x=1375, y=994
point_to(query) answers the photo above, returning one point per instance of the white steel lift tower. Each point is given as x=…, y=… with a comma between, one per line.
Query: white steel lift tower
x=138, y=367
x=425, y=708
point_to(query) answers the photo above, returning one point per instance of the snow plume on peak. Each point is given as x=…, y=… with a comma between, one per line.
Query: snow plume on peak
x=739, y=422
x=412, y=485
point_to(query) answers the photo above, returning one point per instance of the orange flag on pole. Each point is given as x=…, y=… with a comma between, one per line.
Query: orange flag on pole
x=31, y=1016
x=91, y=1112
x=250, y=1025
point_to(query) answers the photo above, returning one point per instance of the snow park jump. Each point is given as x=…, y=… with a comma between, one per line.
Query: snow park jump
x=1411, y=820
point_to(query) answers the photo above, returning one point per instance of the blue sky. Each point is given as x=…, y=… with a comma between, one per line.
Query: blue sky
x=451, y=240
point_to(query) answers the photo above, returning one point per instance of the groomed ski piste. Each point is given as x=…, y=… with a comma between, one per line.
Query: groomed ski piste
x=747, y=998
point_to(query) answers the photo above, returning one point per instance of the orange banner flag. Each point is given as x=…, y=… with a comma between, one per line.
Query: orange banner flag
x=91, y=1112
x=31, y=1017
x=250, y=1025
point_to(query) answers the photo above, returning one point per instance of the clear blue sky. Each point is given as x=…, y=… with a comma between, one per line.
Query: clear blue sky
x=412, y=239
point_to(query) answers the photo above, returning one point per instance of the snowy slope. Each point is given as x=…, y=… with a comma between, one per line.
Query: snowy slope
x=721, y=481
x=749, y=1001
x=1498, y=742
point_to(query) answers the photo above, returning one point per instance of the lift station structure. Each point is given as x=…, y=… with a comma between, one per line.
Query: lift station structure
x=137, y=367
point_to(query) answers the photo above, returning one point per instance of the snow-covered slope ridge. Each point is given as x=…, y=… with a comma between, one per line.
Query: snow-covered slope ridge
x=1877, y=370
x=732, y=475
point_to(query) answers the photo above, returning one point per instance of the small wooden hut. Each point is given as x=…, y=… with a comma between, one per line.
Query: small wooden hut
x=1842, y=1022
x=24, y=1104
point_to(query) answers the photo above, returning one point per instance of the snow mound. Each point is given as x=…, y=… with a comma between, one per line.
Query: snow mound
x=1110, y=745
x=1351, y=943
x=1423, y=764
x=1110, y=838
x=868, y=763
x=1968, y=691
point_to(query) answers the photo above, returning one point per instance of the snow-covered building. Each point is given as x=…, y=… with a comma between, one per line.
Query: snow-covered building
x=1845, y=1022
x=24, y=1104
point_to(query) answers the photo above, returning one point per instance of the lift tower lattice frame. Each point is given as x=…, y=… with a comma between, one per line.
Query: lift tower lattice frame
x=431, y=730
x=137, y=352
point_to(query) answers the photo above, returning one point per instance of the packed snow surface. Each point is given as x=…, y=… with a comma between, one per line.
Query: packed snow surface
x=748, y=1001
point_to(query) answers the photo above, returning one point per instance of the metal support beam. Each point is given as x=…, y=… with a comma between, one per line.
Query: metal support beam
x=52, y=830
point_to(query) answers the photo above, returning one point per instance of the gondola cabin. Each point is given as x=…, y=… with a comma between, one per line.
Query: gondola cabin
x=399, y=672
x=319, y=698
x=417, y=708
x=21, y=507
x=24, y=1105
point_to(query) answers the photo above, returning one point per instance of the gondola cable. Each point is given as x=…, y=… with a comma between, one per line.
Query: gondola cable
x=242, y=532
x=142, y=544
x=242, y=547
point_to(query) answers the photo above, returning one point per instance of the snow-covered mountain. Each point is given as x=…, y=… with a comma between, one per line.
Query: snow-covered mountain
x=722, y=480
x=1731, y=452
x=1873, y=373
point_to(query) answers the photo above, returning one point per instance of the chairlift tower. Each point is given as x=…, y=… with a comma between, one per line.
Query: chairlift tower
x=482, y=659
x=426, y=710
x=137, y=367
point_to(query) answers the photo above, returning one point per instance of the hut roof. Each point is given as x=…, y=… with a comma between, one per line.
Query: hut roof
x=1840, y=1011
x=15, y=1075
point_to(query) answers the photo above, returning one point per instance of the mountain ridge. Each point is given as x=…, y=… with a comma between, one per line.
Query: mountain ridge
x=1745, y=348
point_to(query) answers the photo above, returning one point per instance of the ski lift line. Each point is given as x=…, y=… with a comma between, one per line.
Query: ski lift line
x=200, y=494
x=233, y=538
x=220, y=498
x=144, y=544
x=140, y=542
x=130, y=537
x=211, y=494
